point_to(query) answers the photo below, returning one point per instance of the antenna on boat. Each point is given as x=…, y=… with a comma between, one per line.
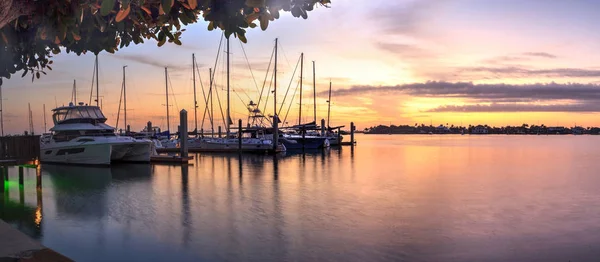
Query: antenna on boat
x=74, y=92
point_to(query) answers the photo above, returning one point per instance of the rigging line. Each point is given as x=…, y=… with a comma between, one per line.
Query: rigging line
x=284, y=55
x=119, y=111
x=265, y=81
x=290, y=107
x=173, y=93
x=210, y=90
x=290, y=85
x=219, y=101
x=92, y=89
x=250, y=68
x=268, y=95
x=203, y=95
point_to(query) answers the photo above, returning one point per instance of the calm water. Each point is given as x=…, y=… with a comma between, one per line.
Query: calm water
x=395, y=198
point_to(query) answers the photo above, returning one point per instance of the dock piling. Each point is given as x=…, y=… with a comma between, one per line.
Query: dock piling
x=240, y=135
x=352, y=128
x=183, y=133
x=219, y=131
x=322, y=127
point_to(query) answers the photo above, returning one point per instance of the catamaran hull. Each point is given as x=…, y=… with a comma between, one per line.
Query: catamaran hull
x=97, y=154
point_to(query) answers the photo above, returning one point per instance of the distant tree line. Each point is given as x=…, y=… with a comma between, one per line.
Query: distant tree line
x=524, y=129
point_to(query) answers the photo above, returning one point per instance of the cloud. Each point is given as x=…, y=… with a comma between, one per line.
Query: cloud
x=143, y=59
x=540, y=54
x=404, y=19
x=521, y=72
x=527, y=56
x=501, y=107
x=404, y=50
x=485, y=92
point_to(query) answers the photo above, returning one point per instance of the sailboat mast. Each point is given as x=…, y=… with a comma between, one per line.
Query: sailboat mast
x=44, y=107
x=195, y=101
x=125, y=99
x=228, y=109
x=30, y=119
x=301, y=80
x=97, y=86
x=329, y=105
x=275, y=83
x=314, y=94
x=167, y=92
x=210, y=91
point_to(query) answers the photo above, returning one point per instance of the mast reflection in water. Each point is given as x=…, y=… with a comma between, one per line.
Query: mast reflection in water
x=392, y=198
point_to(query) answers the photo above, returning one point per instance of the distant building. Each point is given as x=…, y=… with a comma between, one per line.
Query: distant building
x=479, y=130
x=557, y=130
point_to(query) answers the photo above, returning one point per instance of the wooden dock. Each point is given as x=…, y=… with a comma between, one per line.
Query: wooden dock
x=170, y=159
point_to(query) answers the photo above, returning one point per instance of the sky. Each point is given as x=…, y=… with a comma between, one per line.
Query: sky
x=455, y=62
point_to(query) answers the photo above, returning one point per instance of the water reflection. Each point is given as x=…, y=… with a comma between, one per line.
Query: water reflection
x=391, y=199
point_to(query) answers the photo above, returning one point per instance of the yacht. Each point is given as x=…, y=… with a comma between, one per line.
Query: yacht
x=81, y=136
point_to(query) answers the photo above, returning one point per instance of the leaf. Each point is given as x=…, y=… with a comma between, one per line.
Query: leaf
x=252, y=25
x=264, y=22
x=211, y=26
x=4, y=38
x=242, y=37
x=122, y=14
x=37, y=74
x=166, y=5
x=56, y=40
x=252, y=17
x=193, y=4
x=147, y=10
x=107, y=6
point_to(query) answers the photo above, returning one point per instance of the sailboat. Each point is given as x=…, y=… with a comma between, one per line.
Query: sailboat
x=229, y=143
x=303, y=140
x=164, y=138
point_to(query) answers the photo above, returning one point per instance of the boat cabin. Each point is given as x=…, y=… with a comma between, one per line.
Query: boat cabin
x=79, y=120
x=77, y=114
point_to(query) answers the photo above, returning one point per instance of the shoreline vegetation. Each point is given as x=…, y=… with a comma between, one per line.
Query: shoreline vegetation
x=524, y=129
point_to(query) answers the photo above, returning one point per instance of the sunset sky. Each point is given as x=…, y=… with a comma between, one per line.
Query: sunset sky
x=464, y=62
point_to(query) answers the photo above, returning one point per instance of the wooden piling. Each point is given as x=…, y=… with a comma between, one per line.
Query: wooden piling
x=352, y=127
x=183, y=133
x=219, y=132
x=303, y=130
x=240, y=135
x=322, y=127
x=20, y=175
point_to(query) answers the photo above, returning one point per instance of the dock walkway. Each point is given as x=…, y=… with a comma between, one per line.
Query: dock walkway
x=17, y=247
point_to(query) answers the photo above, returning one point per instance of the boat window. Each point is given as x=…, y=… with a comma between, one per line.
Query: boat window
x=84, y=113
x=85, y=140
x=73, y=114
x=59, y=115
x=69, y=151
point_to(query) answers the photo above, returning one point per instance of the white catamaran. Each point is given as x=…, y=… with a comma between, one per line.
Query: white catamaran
x=80, y=136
